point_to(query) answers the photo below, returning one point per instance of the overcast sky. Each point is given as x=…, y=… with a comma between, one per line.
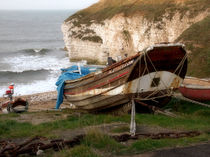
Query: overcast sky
x=44, y=4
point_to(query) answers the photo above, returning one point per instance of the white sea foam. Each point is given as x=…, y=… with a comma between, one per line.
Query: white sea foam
x=26, y=63
x=34, y=87
x=22, y=63
x=37, y=50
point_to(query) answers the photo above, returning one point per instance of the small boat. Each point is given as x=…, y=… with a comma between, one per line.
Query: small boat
x=17, y=106
x=195, y=89
x=150, y=75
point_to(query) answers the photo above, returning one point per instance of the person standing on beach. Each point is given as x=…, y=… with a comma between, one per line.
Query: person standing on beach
x=11, y=87
x=10, y=92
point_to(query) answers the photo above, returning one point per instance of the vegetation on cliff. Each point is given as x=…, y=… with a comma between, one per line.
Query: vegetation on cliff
x=87, y=34
x=150, y=9
x=197, y=41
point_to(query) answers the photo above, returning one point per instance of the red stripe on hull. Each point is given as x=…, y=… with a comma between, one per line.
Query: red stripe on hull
x=99, y=85
x=195, y=94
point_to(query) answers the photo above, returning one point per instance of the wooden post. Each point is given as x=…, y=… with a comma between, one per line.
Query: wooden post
x=133, y=122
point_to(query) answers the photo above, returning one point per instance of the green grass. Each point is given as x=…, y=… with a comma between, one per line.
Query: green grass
x=106, y=145
x=184, y=122
x=190, y=117
x=144, y=145
x=11, y=115
x=82, y=151
x=181, y=106
x=77, y=151
x=194, y=121
x=12, y=128
x=121, y=129
x=102, y=142
x=197, y=41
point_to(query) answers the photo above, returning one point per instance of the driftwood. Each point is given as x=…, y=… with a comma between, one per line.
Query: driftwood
x=37, y=144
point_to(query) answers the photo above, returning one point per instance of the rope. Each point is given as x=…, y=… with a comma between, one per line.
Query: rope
x=153, y=98
x=154, y=68
x=157, y=89
x=169, y=91
x=189, y=100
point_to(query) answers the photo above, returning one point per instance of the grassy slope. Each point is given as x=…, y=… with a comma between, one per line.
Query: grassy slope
x=152, y=10
x=197, y=40
x=191, y=117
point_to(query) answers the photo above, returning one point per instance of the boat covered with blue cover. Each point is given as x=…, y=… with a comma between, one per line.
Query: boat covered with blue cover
x=71, y=73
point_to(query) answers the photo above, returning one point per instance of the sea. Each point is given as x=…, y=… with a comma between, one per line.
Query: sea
x=31, y=50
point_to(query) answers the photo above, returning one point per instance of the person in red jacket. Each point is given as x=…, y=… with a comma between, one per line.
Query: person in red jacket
x=11, y=87
x=10, y=92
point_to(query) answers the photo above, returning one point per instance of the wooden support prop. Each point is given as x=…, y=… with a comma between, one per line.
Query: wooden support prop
x=157, y=110
x=133, y=115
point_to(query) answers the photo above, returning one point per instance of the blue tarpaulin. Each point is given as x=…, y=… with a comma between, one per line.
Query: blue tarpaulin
x=70, y=73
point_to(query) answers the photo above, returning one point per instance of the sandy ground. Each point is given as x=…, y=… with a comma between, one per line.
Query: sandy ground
x=38, y=102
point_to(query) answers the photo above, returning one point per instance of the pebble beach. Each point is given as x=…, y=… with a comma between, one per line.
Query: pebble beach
x=37, y=102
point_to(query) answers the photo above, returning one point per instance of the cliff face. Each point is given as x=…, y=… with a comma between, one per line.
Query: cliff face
x=115, y=28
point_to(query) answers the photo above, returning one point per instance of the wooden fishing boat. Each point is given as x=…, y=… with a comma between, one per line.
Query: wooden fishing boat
x=195, y=89
x=149, y=75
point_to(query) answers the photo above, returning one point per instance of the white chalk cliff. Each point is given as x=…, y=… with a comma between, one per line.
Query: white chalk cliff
x=122, y=34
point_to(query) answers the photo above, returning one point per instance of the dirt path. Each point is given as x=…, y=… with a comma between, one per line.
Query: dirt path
x=200, y=150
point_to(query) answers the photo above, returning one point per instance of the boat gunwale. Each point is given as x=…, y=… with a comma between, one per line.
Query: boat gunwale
x=123, y=61
x=193, y=86
x=195, y=78
x=106, y=69
x=76, y=86
x=195, y=83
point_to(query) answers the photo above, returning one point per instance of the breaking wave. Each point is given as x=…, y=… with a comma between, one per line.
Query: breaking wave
x=21, y=72
x=23, y=63
x=36, y=51
x=23, y=77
